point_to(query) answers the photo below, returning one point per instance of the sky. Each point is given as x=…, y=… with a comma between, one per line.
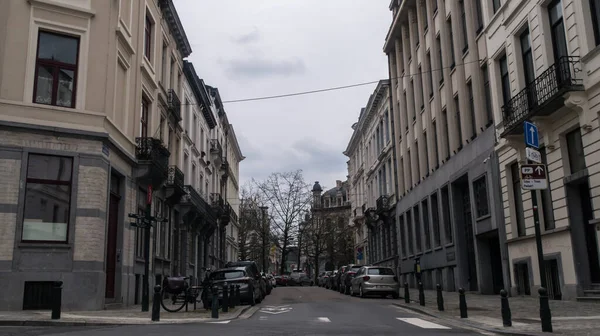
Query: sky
x=257, y=48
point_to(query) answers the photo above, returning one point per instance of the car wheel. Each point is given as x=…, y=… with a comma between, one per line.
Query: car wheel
x=395, y=296
x=360, y=291
x=252, y=298
x=346, y=290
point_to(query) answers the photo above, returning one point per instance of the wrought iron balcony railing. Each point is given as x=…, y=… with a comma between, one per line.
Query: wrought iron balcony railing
x=153, y=150
x=193, y=198
x=216, y=200
x=544, y=95
x=174, y=104
x=175, y=177
x=234, y=216
x=383, y=203
x=225, y=164
x=215, y=147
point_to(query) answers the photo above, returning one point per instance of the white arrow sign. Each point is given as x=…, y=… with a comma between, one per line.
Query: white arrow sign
x=539, y=169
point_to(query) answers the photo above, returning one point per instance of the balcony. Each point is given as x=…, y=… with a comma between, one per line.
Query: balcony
x=215, y=147
x=153, y=161
x=221, y=208
x=196, y=212
x=383, y=203
x=544, y=96
x=174, y=104
x=225, y=167
x=175, y=188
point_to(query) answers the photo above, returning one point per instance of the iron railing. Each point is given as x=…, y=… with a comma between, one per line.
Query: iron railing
x=174, y=104
x=560, y=78
x=383, y=203
x=216, y=200
x=151, y=149
x=175, y=177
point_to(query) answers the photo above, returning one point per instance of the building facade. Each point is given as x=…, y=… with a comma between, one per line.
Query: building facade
x=372, y=172
x=543, y=60
x=91, y=134
x=446, y=166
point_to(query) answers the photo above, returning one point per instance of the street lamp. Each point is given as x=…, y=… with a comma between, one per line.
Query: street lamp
x=264, y=237
x=145, y=223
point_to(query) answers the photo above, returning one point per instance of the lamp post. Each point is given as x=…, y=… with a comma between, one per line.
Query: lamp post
x=264, y=237
x=145, y=223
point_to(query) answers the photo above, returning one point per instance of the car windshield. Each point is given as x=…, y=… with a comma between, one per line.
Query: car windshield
x=225, y=275
x=380, y=271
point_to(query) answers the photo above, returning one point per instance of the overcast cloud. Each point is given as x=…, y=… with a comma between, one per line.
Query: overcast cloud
x=269, y=47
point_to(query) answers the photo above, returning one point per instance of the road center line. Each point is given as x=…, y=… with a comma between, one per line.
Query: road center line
x=323, y=319
x=421, y=323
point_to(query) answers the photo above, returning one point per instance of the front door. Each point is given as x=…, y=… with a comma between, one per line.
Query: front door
x=111, y=245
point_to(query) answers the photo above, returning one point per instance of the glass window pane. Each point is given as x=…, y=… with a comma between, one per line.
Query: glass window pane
x=58, y=48
x=44, y=81
x=66, y=81
x=45, y=167
x=46, y=212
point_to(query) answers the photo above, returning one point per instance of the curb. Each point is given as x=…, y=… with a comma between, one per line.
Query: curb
x=463, y=322
x=59, y=323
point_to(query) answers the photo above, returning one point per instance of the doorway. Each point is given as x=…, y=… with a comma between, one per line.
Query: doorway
x=111, y=238
x=496, y=263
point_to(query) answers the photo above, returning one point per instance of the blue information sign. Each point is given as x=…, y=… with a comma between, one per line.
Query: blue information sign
x=531, y=135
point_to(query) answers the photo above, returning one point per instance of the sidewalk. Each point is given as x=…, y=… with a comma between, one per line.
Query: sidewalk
x=123, y=316
x=568, y=317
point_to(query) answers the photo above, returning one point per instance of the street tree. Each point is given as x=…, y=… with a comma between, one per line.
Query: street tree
x=288, y=197
x=249, y=221
x=316, y=233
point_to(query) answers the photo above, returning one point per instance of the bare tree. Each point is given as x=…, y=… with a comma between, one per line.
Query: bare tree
x=288, y=196
x=316, y=234
x=249, y=220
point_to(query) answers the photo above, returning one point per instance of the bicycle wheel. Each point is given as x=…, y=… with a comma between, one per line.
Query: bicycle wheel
x=172, y=302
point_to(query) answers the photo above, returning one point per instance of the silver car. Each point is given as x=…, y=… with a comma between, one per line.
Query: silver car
x=375, y=280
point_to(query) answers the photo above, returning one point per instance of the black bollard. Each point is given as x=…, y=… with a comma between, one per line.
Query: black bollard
x=545, y=314
x=506, y=314
x=440, y=298
x=156, y=304
x=406, y=293
x=238, y=296
x=215, y=302
x=232, y=296
x=56, y=299
x=225, y=305
x=421, y=294
x=462, y=303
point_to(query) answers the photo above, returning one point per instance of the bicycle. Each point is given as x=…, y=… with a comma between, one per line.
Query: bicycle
x=177, y=293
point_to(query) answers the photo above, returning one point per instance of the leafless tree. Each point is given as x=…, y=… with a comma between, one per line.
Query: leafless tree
x=316, y=234
x=249, y=220
x=288, y=196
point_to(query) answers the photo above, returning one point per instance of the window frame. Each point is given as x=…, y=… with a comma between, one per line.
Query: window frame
x=53, y=183
x=595, y=12
x=480, y=195
x=148, y=32
x=496, y=4
x=145, y=113
x=56, y=66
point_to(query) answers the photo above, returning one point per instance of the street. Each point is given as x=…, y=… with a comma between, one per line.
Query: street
x=287, y=311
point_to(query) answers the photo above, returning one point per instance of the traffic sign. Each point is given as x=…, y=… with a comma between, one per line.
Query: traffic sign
x=531, y=135
x=533, y=155
x=533, y=177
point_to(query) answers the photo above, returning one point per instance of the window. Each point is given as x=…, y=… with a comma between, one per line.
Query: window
x=495, y=5
x=458, y=125
x=56, y=69
x=386, y=119
x=47, y=199
x=435, y=218
x=418, y=237
x=435, y=144
x=479, y=16
x=446, y=214
x=148, y=38
x=439, y=45
x=426, y=152
x=194, y=134
x=446, y=131
x=504, y=79
x=481, y=197
x=409, y=225
x=424, y=15
x=425, y=208
x=557, y=26
x=144, y=119
x=527, y=57
x=452, y=60
x=435, y=6
x=429, y=75
x=402, y=236
x=595, y=9
x=463, y=23
x=472, y=110
x=575, y=149
x=172, y=74
x=421, y=87
x=163, y=74
x=161, y=128
x=416, y=35
x=517, y=199
x=488, y=94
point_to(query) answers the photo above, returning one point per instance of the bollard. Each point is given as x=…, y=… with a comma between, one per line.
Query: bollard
x=421, y=294
x=215, y=303
x=440, y=298
x=462, y=303
x=545, y=314
x=506, y=315
x=156, y=304
x=406, y=293
x=232, y=297
x=238, y=296
x=225, y=305
x=56, y=299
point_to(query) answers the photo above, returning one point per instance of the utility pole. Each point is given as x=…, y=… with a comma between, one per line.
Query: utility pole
x=264, y=237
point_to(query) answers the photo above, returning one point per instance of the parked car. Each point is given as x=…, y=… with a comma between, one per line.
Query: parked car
x=331, y=279
x=250, y=291
x=271, y=278
x=323, y=278
x=253, y=267
x=268, y=284
x=281, y=280
x=375, y=280
x=336, y=280
x=348, y=275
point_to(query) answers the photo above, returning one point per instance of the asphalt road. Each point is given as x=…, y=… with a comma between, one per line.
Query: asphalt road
x=287, y=311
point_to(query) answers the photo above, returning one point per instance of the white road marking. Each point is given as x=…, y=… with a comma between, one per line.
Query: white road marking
x=323, y=319
x=262, y=318
x=421, y=323
x=221, y=322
